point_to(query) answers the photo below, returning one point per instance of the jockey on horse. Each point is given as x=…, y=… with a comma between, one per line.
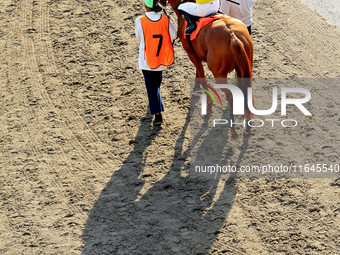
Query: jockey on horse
x=193, y=11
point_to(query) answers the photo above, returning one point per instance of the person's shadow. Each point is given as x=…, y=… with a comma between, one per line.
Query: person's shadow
x=178, y=215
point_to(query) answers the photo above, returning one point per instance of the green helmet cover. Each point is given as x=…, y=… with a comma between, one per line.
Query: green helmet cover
x=153, y=4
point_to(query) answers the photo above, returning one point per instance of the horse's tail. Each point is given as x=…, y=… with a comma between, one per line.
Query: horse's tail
x=243, y=70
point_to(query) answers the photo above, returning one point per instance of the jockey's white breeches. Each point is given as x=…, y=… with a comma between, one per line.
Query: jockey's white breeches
x=200, y=10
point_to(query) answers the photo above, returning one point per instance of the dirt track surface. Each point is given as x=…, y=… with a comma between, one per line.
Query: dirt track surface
x=83, y=170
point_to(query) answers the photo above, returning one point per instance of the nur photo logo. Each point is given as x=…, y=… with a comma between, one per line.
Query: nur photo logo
x=290, y=116
x=240, y=101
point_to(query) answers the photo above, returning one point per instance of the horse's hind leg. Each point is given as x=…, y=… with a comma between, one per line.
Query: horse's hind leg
x=248, y=128
x=234, y=135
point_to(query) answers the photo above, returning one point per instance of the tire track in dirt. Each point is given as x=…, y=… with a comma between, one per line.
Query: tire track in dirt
x=292, y=37
x=317, y=40
x=18, y=167
x=7, y=160
x=313, y=47
x=71, y=137
x=65, y=101
x=67, y=134
x=30, y=51
x=67, y=118
x=326, y=33
x=34, y=90
x=34, y=130
x=285, y=31
x=279, y=32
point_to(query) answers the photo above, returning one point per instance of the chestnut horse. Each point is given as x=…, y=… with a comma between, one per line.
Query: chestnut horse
x=225, y=45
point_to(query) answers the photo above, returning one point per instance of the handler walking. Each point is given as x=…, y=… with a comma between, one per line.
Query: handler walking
x=155, y=32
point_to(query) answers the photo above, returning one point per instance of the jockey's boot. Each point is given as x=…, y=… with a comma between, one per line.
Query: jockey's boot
x=191, y=23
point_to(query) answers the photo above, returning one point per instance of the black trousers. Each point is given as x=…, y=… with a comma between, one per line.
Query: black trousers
x=153, y=80
x=249, y=29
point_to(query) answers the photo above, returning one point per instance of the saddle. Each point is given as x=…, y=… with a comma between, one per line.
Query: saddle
x=203, y=22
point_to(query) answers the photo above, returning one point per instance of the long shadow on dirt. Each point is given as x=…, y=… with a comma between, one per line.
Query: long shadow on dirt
x=178, y=215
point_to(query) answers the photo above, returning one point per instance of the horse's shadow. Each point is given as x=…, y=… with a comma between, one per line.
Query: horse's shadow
x=178, y=215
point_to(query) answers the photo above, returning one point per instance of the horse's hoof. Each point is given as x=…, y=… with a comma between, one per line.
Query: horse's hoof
x=197, y=87
x=234, y=136
x=309, y=118
x=248, y=130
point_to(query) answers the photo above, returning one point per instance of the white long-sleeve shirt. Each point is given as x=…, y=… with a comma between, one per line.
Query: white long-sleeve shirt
x=154, y=16
x=243, y=11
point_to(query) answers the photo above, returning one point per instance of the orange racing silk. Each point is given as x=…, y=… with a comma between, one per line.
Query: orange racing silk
x=158, y=45
x=201, y=23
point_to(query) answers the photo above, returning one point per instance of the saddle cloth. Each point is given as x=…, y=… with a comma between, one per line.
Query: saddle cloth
x=201, y=23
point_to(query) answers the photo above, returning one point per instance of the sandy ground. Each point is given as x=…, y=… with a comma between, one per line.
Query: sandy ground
x=83, y=170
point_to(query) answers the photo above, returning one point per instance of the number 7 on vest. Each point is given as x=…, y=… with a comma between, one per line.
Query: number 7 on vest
x=159, y=43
